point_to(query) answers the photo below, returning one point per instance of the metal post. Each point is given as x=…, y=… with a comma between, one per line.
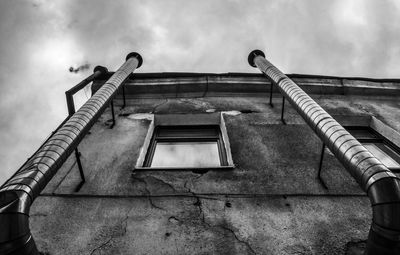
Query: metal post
x=381, y=185
x=70, y=103
x=283, y=111
x=20, y=191
x=78, y=162
x=123, y=96
x=271, y=88
x=112, y=113
x=321, y=159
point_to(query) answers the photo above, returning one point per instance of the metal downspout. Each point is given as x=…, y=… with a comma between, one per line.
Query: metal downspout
x=19, y=192
x=381, y=185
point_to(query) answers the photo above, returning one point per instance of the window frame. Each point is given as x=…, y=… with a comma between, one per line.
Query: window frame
x=197, y=121
x=376, y=140
x=184, y=137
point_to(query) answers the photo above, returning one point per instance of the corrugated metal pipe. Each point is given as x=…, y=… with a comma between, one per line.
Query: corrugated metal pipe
x=19, y=192
x=381, y=185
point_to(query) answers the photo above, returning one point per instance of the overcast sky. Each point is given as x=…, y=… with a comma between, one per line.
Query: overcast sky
x=41, y=40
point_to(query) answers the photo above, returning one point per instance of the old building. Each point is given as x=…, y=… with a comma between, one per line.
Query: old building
x=199, y=163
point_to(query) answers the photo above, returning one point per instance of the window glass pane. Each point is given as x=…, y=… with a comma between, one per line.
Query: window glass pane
x=384, y=157
x=183, y=132
x=362, y=133
x=186, y=154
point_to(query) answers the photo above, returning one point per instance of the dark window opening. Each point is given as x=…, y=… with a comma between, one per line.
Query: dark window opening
x=186, y=147
x=383, y=149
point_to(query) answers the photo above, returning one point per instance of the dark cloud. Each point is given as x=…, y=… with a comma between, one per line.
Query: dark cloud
x=108, y=30
x=40, y=39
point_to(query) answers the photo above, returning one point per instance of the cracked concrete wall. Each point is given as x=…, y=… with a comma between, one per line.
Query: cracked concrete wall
x=271, y=203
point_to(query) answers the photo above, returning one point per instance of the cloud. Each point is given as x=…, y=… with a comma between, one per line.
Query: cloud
x=41, y=38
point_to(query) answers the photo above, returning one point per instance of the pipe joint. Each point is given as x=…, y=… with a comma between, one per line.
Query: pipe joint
x=101, y=69
x=253, y=55
x=137, y=56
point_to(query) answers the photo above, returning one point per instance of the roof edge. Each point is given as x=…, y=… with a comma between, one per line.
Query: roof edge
x=239, y=74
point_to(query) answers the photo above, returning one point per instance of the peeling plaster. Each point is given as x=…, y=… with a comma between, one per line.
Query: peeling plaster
x=141, y=116
x=232, y=113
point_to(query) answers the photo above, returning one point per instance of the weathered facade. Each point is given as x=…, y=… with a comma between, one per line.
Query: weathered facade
x=270, y=202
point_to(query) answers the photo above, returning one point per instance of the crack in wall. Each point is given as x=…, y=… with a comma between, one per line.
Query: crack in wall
x=199, y=204
x=158, y=105
x=221, y=226
x=125, y=221
x=148, y=193
x=124, y=224
x=237, y=238
x=101, y=246
x=193, y=179
x=198, y=200
x=163, y=182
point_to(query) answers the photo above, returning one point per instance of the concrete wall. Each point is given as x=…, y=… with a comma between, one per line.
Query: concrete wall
x=271, y=203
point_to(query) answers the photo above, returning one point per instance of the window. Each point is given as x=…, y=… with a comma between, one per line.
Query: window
x=380, y=147
x=186, y=141
x=186, y=146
